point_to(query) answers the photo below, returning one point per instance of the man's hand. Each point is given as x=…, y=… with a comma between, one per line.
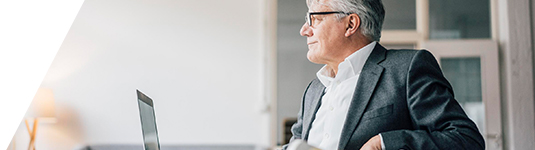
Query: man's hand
x=373, y=144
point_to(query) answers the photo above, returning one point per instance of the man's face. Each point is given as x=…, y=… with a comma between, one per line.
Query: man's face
x=325, y=36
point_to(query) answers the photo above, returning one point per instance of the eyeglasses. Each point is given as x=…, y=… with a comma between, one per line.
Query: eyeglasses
x=309, y=20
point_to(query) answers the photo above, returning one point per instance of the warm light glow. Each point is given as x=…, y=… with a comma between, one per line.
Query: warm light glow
x=42, y=105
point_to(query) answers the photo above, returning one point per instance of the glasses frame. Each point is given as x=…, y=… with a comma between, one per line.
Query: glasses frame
x=308, y=17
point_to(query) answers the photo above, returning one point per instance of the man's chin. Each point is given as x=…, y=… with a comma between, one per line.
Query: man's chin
x=313, y=59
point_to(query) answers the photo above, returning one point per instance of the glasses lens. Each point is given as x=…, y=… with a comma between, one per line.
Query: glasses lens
x=309, y=20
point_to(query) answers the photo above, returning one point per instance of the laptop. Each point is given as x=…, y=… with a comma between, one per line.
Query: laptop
x=148, y=122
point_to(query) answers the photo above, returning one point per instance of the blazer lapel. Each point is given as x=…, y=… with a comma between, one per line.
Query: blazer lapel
x=365, y=86
x=313, y=101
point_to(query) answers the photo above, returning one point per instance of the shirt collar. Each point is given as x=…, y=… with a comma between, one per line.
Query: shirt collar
x=351, y=66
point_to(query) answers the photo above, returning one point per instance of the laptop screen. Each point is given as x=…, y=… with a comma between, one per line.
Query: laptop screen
x=148, y=122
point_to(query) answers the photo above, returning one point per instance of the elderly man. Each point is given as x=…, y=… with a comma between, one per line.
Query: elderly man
x=367, y=97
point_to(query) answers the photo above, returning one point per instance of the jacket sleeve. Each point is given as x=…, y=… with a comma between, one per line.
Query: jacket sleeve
x=438, y=119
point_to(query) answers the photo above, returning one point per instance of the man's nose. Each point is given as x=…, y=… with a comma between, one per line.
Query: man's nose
x=306, y=30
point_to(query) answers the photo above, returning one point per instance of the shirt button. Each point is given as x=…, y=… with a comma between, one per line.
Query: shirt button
x=326, y=135
x=331, y=108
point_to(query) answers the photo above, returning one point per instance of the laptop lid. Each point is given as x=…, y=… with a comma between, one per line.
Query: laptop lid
x=148, y=122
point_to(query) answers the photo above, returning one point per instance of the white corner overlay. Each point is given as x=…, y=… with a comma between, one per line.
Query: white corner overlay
x=31, y=32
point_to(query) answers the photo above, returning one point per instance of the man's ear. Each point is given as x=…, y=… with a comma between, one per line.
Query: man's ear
x=352, y=25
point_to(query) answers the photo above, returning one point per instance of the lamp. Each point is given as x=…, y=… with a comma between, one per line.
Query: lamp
x=41, y=108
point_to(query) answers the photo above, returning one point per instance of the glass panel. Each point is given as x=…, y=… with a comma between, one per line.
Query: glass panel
x=464, y=75
x=459, y=19
x=148, y=125
x=400, y=15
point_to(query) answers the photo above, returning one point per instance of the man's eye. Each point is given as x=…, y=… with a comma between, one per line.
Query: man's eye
x=316, y=18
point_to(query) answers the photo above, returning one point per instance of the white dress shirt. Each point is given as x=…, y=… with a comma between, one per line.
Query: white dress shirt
x=330, y=118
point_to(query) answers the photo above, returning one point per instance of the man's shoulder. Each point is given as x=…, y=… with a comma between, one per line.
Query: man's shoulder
x=402, y=51
x=401, y=59
x=405, y=54
x=398, y=56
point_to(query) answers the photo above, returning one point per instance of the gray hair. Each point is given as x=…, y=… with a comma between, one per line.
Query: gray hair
x=371, y=13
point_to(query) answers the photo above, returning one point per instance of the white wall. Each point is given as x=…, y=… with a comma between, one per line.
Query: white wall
x=200, y=61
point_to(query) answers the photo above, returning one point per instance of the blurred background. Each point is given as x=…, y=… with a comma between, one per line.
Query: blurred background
x=231, y=74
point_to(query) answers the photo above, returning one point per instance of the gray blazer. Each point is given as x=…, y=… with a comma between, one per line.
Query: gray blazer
x=403, y=95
